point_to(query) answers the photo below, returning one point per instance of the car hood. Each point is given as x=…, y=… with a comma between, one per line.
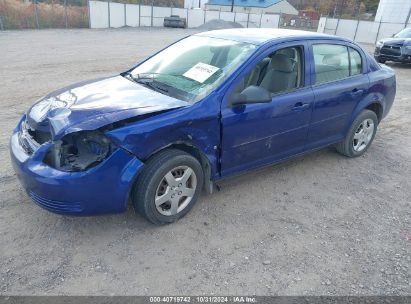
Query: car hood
x=396, y=41
x=93, y=104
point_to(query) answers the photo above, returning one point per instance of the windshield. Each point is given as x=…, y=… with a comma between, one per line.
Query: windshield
x=405, y=33
x=193, y=67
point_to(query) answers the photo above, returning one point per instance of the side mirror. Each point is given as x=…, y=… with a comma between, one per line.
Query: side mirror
x=251, y=94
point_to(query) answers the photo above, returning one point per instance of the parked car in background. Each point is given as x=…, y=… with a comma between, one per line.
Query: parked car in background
x=396, y=48
x=209, y=106
x=175, y=21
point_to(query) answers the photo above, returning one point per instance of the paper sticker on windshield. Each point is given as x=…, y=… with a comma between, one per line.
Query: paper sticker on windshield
x=201, y=72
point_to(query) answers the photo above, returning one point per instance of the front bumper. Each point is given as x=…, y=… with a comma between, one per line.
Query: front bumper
x=102, y=189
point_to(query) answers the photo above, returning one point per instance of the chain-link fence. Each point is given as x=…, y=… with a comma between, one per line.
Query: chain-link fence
x=344, y=9
x=17, y=14
x=360, y=30
x=115, y=15
x=295, y=22
x=39, y=14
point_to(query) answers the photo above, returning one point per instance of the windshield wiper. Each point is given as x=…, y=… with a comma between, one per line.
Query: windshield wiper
x=149, y=82
x=152, y=84
x=152, y=75
x=149, y=75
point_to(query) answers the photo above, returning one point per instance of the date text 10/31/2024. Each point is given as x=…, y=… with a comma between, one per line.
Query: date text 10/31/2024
x=203, y=299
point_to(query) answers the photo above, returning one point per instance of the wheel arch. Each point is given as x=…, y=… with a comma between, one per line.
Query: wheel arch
x=196, y=153
x=377, y=108
x=375, y=105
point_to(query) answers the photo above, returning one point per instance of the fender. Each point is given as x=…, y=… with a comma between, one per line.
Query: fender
x=196, y=126
x=381, y=91
x=371, y=98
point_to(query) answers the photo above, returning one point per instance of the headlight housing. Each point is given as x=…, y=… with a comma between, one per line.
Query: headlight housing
x=380, y=44
x=79, y=151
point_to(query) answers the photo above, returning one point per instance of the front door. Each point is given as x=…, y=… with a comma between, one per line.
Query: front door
x=258, y=134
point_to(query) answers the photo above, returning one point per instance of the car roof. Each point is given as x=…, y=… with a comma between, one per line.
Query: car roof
x=260, y=36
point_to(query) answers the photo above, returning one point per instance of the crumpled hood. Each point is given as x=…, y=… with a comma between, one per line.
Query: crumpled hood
x=93, y=104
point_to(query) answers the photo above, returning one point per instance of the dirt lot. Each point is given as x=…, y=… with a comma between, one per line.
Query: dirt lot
x=321, y=224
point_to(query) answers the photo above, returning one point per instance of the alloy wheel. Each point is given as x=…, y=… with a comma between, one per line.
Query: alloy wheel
x=363, y=135
x=175, y=191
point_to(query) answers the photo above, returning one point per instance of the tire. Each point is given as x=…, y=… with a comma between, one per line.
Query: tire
x=381, y=61
x=167, y=176
x=356, y=142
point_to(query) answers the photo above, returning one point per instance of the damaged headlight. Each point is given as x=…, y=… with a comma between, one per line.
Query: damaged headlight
x=79, y=151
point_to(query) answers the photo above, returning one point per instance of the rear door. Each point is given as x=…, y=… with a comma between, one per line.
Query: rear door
x=339, y=83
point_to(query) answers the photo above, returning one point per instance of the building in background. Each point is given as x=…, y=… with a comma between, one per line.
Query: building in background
x=395, y=11
x=190, y=4
x=252, y=6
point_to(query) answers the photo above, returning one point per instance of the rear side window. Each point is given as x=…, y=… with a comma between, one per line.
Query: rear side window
x=374, y=66
x=334, y=62
x=356, y=62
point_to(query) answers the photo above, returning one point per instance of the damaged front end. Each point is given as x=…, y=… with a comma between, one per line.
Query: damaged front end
x=63, y=155
x=79, y=151
x=74, y=152
x=82, y=173
x=73, y=120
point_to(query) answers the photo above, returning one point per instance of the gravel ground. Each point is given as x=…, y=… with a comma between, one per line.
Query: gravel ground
x=321, y=224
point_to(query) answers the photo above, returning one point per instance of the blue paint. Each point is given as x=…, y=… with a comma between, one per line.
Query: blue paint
x=102, y=189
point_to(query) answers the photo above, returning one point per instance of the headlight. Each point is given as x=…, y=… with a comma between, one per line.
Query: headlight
x=380, y=44
x=79, y=151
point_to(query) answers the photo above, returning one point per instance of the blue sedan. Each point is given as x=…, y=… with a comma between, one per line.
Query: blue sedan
x=207, y=107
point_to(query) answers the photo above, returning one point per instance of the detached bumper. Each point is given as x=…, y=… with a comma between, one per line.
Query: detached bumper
x=102, y=189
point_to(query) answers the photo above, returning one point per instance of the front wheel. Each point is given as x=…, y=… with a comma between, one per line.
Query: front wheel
x=360, y=135
x=168, y=187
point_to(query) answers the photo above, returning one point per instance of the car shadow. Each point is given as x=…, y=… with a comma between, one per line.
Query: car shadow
x=268, y=175
x=271, y=170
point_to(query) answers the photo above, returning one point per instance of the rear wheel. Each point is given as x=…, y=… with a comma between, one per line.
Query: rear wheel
x=168, y=187
x=360, y=135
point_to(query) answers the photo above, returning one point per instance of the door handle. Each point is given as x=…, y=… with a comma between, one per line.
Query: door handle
x=356, y=92
x=300, y=106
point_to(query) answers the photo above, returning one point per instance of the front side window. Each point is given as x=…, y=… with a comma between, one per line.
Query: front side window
x=335, y=62
x=193, y=67
x=279, y=72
